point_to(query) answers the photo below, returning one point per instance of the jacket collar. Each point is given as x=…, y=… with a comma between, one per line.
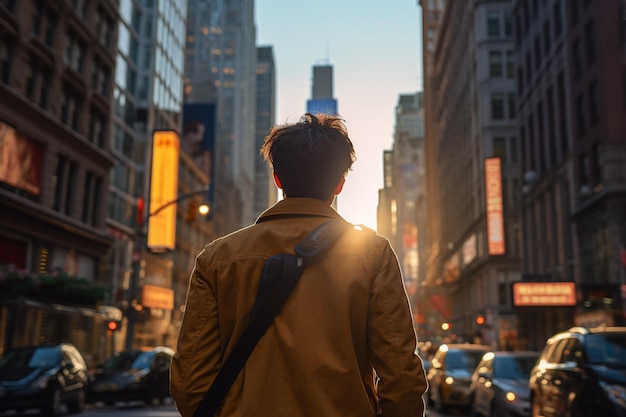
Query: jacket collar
x=298, y=207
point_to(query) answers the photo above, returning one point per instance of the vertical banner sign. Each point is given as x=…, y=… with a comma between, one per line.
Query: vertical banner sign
x=495, y=206
x=163, y=190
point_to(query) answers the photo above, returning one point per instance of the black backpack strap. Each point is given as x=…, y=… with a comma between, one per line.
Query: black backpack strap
x=279, y=276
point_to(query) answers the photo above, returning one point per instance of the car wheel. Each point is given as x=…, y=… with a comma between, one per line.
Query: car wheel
x=78, y=405
x=54, y=408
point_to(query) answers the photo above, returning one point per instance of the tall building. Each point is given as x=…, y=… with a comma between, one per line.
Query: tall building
x=265, y=194
x=57, y=63
x=572, y=95
x=322, y=99
x=432, y=13
x=147, y=97
x=220, y=68
x=404, y=184
x=476, y=173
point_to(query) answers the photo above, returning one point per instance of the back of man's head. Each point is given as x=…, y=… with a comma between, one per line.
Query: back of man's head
x=310, y=157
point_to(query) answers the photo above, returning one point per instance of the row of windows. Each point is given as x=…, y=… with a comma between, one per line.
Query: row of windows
x=503, y=106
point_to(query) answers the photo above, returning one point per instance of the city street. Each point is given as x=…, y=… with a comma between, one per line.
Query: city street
x=163, y=411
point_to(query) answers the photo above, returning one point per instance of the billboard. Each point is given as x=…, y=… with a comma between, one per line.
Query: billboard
x=21, y=160
x=495, y=207
x=163, y=190
x=544, y=294
x=199, y=126
x=327, y=105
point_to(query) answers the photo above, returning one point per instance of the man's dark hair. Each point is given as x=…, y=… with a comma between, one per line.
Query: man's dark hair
x=310, y=156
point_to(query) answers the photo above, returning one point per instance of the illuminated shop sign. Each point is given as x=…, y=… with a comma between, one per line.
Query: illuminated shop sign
x=157, y=297
x=495, y=206
x=544, y=294
x=163, y=190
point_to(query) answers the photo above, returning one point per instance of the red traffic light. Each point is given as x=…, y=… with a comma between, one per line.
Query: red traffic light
x=113, y=325
x=480, y=320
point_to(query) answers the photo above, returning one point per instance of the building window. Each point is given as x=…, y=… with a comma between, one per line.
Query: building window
x=510, y=64
x=104, y=27
x=514, y=149
x=499, y=148
x=70, y=107
x=577, y=57
x=580, y=115
x=508, y=25
x=75, y=50
x=100, y=77
x=547, y=40
x=51, y=28
x=537, y=45
x=529, y=68
x=493, y=23
x=558, y=22
x=512, y=105
x=561, y=105
x=495, y=64
x=97, y=123
x=590, y=41
x=594, y=111
x=551, y=126
x=6, y=53
x=62, y=181
x=497, y=106
x=91, y=199
x=583, y=169
x=37, y=81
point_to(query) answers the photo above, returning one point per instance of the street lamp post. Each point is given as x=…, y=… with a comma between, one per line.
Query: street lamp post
x=138, y=248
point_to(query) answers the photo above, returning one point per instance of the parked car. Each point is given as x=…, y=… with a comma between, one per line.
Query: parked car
x=581, y=372
x=43, y=377
x=132, y=375
x=499, y=385
x=449, y=375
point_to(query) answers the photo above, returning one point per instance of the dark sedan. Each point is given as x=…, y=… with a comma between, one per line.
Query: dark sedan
x=43, y=377
x=499, y=384
x=132, y=375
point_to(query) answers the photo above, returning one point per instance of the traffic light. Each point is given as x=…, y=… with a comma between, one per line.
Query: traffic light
x=480, y=319
x=113, y=325
x=192, y=210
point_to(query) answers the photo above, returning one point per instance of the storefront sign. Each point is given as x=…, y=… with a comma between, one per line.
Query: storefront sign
x=157, y=297
x=495, y=206
x=163, y=191
x=544, y=294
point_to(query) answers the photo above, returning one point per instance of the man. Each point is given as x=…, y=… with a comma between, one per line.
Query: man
x=344, y=342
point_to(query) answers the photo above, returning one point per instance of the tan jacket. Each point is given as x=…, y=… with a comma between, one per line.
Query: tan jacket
x=348, y=315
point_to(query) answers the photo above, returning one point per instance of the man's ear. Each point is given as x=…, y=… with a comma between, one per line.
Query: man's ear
x=277, y=180
x=339, y=186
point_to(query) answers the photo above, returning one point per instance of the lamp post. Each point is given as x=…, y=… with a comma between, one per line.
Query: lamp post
x=139, y=246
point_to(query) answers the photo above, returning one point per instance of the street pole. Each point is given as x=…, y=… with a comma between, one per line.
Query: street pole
x=137, y=256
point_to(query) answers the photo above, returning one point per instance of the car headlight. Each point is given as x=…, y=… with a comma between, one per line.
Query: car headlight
x=449, y=380
x=615, y=392
x=510, y=396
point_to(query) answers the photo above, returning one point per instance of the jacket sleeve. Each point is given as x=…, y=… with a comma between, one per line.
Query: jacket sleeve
x=393, y=342
x=198, y=354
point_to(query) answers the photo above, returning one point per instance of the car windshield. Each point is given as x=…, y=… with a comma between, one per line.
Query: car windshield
x=463, y=359
x=31, y=357
x=125, y=361
x=606, y=349
x=513, y=367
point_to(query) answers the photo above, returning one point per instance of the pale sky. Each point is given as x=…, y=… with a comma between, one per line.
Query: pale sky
x=374, y=47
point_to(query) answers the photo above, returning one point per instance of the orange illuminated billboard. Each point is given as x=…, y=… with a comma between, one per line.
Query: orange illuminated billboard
x=163, y=190
x=544, y=294
x=494, y=206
